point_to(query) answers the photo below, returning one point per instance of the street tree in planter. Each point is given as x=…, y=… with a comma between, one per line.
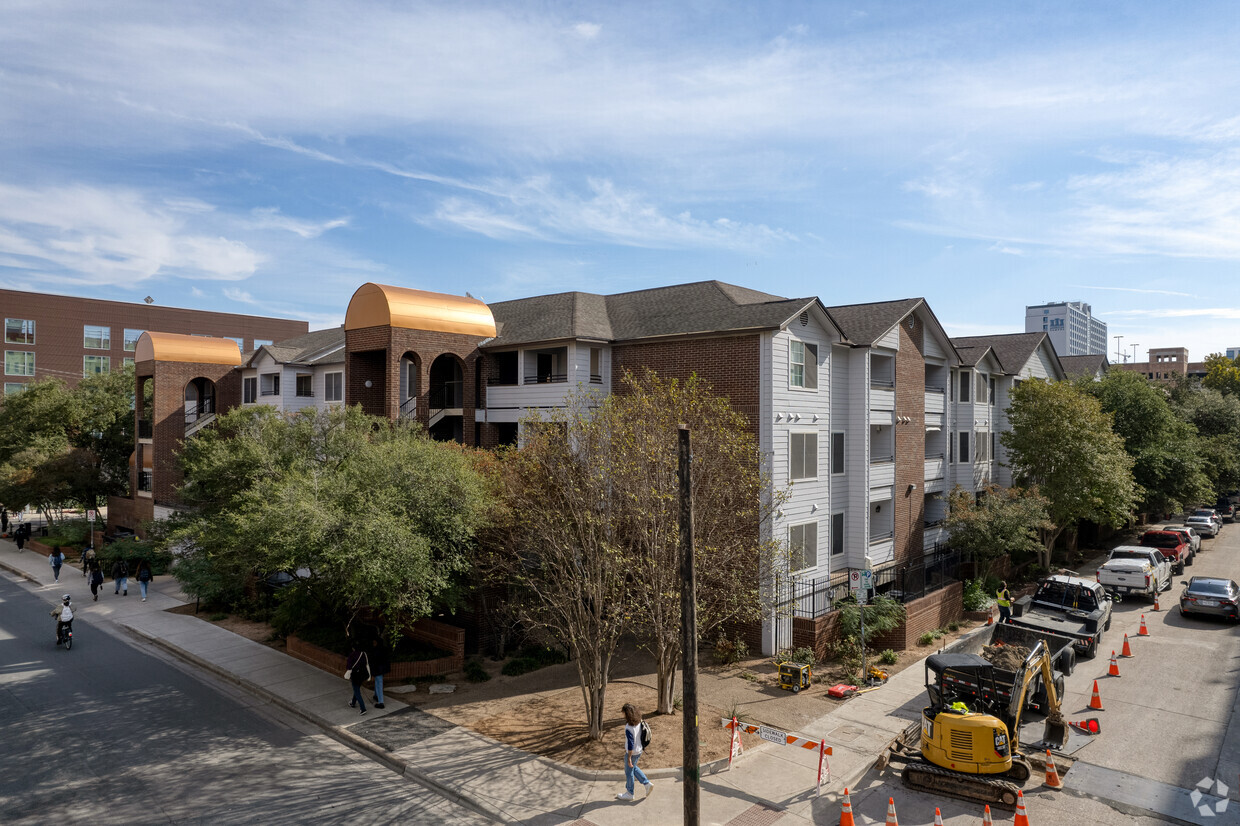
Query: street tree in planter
x=997, y=521
x=1062, y=444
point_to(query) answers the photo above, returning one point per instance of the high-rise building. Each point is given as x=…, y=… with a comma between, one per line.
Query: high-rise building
x=1233, y=352
x=1070, y=325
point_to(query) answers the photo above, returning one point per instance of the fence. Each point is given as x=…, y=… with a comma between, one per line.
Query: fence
x=814, y=598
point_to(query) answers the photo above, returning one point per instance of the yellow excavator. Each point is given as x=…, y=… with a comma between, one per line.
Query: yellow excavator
x=969, y=741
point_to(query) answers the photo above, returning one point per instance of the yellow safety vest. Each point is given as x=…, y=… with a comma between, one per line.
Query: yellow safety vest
x=1004, y=599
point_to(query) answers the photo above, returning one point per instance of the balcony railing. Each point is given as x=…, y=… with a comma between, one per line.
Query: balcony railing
x=882, y=459
x=146, y=481
x=596, y=378
x=932, y=389
x=146, y=429
x=267, y=392
x=204, y=408
x=409, y=407
x=305, y=394
x=547, y=378
x=887, y=384
x=882, y=536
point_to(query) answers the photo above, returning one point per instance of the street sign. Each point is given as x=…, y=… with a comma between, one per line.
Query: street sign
x=860, y=583
x=773, y=735
x=91, y=515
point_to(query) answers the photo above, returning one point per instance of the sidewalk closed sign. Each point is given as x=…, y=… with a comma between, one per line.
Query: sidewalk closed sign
x=773, y=735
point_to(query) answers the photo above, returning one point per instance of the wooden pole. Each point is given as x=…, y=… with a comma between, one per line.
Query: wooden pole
x=688, y=637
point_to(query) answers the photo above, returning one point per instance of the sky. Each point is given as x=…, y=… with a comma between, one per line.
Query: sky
x=271, y=157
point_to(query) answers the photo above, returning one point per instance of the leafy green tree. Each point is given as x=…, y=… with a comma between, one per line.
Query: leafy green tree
x=1167, y=463
x=364, y=513
x=1216, y=419
x=1222, y=374
x=998, y=521
x=1061, y=442
x=883, y=614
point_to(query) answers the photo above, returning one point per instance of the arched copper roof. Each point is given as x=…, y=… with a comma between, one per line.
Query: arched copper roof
x=196, y=349
x=146, y=459
x=378, y=305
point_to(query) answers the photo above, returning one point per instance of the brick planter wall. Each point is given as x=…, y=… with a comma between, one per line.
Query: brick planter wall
x=926, y=614
x=438, y=634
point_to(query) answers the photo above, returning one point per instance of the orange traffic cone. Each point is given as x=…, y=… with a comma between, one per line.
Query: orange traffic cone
x=846, y=817
x=938, y=818
x=1095, y=702
x=1052, y=775
x=986, y=821
x=1089, y=725
x=1156, y=608
x=891, y=812
x=1114, y=670
x=1022, y=819
x=1127, y=650
x=1143, y=631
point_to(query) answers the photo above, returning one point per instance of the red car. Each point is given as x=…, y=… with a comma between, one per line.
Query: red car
x=1172, y=545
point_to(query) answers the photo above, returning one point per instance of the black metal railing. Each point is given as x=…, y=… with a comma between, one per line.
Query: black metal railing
x=146, y=429
x=933, y=389
x=204, y=408
x=502, y=381
x=146, y=481
x=546, y=378
x=445, y=396
x=882, y=458
x=934, y=572
x=269, y=392
x=596, y=378
x=409, y=407
x=881, y=536
x=883, y=384
x=305, y=394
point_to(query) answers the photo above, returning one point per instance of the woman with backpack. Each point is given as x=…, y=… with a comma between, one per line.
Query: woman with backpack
x=635, y=731
x=357, y=672
x=95, y=579
x=145, y=577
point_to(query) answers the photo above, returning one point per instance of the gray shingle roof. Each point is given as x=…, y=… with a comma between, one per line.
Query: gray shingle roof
x=970, y=355
x=318, y=347
x=863, y=324
x=1012, y=349
x=682, y=309
x=1084, y=365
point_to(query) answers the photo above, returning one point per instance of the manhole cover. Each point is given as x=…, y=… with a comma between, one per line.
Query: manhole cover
x=846, y=734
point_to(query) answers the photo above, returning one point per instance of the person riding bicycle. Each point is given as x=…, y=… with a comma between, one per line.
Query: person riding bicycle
x=64, y=618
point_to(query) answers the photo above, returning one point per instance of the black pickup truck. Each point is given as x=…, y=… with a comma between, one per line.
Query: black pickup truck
x=1068, y=606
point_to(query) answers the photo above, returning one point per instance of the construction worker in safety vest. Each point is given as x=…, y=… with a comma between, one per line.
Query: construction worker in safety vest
x=1004, y=601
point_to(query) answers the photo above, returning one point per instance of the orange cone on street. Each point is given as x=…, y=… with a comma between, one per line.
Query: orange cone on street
x=1127, y=649
x=986, y=821
x=846, y=816
x=1052, y=775
x=1022, y=819
x=938, y=818
x=1143, y=631
x=1156, y=608
x=1095, y=702
x=1114, y=670
x=891, y=812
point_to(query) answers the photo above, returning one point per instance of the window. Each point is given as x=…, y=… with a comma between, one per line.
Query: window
x=964, y=386
x=837, y=453
x=596, y=365
x=333, y=387
x=18, y=331
x=249, y=390
x=11, y=387
x=992, y=391
x=837, y=533
x=270, y=384
x=803, y=458
x=93, y=365
x=993, y=454
x=96, y=338
x=983, y=446
x=127, y=362
x=803, y=365
x=18, y=363
x=240, y=342
x=980, y=396
x=803, y=546
x=962, y=455
x=261, y=342
x=131, y=339
x=305, y=386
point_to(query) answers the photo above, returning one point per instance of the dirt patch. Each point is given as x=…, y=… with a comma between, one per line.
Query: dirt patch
x=1007, y=657
x=257, y=631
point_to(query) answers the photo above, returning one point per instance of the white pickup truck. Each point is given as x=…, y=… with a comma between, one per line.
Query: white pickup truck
x=1132, y=569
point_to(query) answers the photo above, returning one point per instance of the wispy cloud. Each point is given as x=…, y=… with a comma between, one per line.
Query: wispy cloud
x=1225, y=313
x=270, y=218
x=1131, y=290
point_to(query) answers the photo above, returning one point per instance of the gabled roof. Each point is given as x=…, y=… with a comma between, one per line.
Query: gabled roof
x=970, y=355
x=678, y=310
x=318, y=347
x=1088, y=365
x=863, y=324
x=1012, y=349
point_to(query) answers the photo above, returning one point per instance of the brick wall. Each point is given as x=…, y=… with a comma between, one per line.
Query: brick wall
x=168, y=416
x=334, y=663
x=130, y=513
x=910, y=447
x=930, y=612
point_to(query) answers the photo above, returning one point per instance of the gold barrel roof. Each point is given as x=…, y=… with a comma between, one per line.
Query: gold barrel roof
x=195, y=349
x=146, y=459
x=378, y=305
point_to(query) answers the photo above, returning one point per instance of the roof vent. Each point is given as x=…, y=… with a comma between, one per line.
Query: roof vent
x=805, y=319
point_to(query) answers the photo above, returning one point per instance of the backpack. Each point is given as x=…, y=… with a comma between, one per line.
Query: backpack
x=643, y=734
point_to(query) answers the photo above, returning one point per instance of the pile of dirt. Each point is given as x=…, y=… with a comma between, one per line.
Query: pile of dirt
x=1007, y=657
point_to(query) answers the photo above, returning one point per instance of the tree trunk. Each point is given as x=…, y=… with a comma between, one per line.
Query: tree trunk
x=667, y=658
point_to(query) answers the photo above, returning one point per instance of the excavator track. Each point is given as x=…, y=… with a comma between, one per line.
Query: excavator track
x=928, y=777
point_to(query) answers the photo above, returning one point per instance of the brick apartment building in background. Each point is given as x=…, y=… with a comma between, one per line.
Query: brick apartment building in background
x=1166, y=364
x=68, y=337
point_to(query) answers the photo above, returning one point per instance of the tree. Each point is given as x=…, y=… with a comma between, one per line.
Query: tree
x=1216, y=419
x=363, y=513
x=1167, y=464
x=997, y=521
x=1222, y=374
x=1061, y=441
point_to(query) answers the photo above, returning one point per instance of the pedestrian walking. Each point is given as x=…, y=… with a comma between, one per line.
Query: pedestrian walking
x=96, y=578
x=4, y=520
x=357, y=670
x=145, y=577
x=380, y=661
x=632, y=753
x=56, y=559
x=19, y=536
x=88, y=556
x=1004, y=601
x=120, y=576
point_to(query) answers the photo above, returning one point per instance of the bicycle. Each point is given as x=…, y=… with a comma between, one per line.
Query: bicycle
x=64, y=635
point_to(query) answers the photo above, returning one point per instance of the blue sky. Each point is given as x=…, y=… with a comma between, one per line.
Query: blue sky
x=271, y=157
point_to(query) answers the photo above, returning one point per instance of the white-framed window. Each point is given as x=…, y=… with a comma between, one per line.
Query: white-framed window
x=962, y=453
x=803, y=546
x=18, y=363
x=803, y=455
x=981, y=389
x=596, y=365
x=802, y=365
x=131, y=339
x=249, y=390
x=983, y=446
x=992, y=392
x=333, y=387
x=11, y=387
x=305, y=386
x=965, y=378
x=94, y=365
x=837, y=452
x=270, y=384
x=837, y=533
x=95, y=337
x=18, y=331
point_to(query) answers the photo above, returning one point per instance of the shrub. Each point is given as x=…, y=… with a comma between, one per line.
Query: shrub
x=803, y=656
x=953, y=627
x=69, y=533
x=475, y=673
x=927, y=638
x=134, y=551
x=729, y=652
x=532, y=658
x=217, y=617
x=976, y=597
x=888, y=657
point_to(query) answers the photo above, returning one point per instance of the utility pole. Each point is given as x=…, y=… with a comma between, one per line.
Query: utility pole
x=1119, y=356
x=1134, y=353
x=688, y=636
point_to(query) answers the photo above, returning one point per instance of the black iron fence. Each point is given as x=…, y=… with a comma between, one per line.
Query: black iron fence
x=817, y=597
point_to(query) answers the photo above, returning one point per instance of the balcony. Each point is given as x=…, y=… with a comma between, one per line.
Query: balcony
x=936, y=400
x=935, y=467
x=882, y=473
x=146, y=429
x=882, y=397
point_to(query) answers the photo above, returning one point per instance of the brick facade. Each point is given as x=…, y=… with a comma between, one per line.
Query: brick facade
x=910, y=443
x=928, y=613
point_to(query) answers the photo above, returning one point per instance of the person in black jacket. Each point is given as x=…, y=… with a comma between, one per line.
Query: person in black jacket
x=380, y=663
x=358, y=668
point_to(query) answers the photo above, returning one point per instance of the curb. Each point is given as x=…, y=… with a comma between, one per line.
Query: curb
x=19, y=572
x=338, y=733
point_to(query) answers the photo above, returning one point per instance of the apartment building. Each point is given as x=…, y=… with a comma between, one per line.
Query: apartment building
x=1072, y=328
x=304, y=371
x=69, y=337
x=1166, y=364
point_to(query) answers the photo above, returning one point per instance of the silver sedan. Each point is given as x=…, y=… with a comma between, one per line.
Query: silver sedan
x=1203, y=525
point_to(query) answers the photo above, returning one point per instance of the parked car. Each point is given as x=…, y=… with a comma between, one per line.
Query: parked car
x=1211, y=595
x=1174, y=547
x=1210, y=512
x=1226, y=509
x=1133, y=569
x=1191, y=536
x=1203, y=525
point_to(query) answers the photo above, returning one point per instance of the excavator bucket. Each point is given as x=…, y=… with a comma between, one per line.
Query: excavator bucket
x=1055, y=734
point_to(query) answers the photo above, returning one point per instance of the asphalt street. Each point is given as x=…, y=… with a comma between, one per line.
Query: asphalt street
x=110, y=732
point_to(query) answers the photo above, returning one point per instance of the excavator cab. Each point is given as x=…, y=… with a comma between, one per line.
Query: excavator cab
x=959, y=729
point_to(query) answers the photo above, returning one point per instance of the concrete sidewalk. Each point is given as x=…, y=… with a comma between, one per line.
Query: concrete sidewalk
x=766, y=784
